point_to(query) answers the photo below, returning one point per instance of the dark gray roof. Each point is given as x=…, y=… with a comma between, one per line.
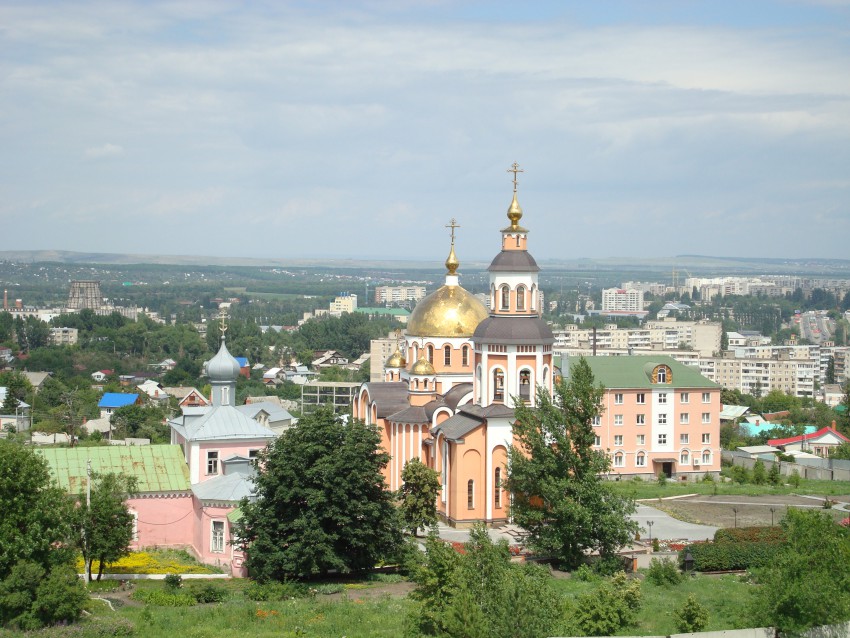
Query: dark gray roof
x=514, y=261
x=227, y=488
x=413, y=414
x=390, y=396
x=492, y=411
x=513, y=330
x=453, y=396
x=457, y=426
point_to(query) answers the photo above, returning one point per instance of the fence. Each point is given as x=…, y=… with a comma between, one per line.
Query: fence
x=818, y=469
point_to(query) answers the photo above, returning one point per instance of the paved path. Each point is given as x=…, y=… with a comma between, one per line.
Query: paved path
x=664, y=527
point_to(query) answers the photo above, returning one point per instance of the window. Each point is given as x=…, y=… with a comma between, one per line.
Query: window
x=640, y=460
x=618, y=440
x=641, y=398
x=640, y=419
x=618, y=419
x=252, y=454
x=662, y=397
x=618, y=398
x=498, y=385
x=662, y=419
x=661, y=375
x=497, y=483
x=525, y=385
x=135, y=516
x=597, y=421
x=470, y=494
x=431, y=354
x=706, y=438
x=684, y=418
x=212, y=462
x=641, y=439
x=225, y=395
x=683, y=439
x=506, y=298
x=706, y=417
x=662, y=439
x=619, y=459
x=706, y=457
x=520, y=297
x=597, y=441
x=217, y=537
x=465, y=356
x=706, y=397
x=684, y=458
x=685, y=397
x=447, y=355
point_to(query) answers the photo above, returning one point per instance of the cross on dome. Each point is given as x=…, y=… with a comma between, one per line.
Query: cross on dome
x=515, y=169
x=452, y=263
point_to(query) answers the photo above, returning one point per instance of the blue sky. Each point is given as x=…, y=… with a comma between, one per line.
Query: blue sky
x=358, y=129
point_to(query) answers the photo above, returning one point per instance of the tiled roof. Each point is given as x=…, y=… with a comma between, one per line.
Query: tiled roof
x=158, y=468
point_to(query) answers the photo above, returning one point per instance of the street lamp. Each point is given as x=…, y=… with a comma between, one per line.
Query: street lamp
x=650, y=523
x=772, y=510
x=689, y=560
x=735, y=510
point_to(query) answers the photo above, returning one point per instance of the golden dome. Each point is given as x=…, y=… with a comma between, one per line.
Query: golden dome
x=514, y=215
x=396, y=360
x=449, y=311
x=422, y=367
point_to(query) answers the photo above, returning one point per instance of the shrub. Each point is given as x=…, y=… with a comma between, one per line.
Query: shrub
x=656, y=545
x=691, y=617
x=608, y=565
x=663, y=572
x=708, y=477
x=773, y=475
x=610, y=607
x=275, y=591
x=163, y=598
x=662, y=479
x=759, y=473
x=726, y=556
x=173, y=582
x=585, y=574
x=794, y=479
x=754, y=534
x=740, y=474
x=31, y=598
x=209, y=593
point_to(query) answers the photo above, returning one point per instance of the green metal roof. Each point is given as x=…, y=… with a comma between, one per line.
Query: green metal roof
x=634, y=372
x=158, y=468
x=235, y=515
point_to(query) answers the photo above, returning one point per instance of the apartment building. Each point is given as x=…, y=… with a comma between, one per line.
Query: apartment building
x=760, y=375
x=701, y=337
x=346, y=302
x=63, y=336
x=389, y=295
x=623, y=301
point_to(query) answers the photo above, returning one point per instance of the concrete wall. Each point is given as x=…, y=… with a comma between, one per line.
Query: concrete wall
x=828, y=472
x=830, y=631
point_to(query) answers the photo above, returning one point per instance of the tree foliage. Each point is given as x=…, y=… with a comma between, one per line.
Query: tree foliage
x=106, y=525
x=808, y=582
x=34, y=513
x=560, y=498
x=321, y=504
x=480, y=593
x=418, y=495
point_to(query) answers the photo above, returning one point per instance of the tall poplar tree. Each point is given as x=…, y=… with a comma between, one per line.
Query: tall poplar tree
x=560, y=496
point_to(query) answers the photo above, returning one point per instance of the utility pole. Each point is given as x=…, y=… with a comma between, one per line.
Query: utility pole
x=85, y=519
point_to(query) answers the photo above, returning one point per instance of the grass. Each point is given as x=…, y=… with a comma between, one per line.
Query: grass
x=651, y=489
x=356, y=615
x=154, y=561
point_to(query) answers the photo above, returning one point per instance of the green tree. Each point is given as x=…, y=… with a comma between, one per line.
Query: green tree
x=610, y=607
x=31, y=597
x=759, y=476
x=418, y=495
x=321, y=503
x=830, y=370
x=808, y=583
x=139, y=421
x=34, y=524
x=773, y=476
x=106, y=526
x=555, y=475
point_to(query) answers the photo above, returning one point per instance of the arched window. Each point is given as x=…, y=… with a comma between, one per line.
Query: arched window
x=662, y=375
x=480, y=385
x=706, y=457
x=497, y=484
x=545, y=376
x=506, y=298
x=430, y=354
x=465, y=356
x=525, y=384
x=684, y=458
x=416, y=384
x=425, y=383
x=415, y=352
x=447, y=355
x=498, y=385
x=520, y=297
x=619, y=459
x=225, y=395
x=470, y=494
x=640, y=460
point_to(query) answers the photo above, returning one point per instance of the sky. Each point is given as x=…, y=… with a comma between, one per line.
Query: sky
x=645, y=128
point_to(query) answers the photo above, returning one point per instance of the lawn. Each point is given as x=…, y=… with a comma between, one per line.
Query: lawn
x=651, y=489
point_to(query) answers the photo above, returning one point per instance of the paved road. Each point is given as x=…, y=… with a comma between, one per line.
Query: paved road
x=664, y=527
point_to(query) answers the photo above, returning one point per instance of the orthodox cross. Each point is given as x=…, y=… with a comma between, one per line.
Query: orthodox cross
x=222, y=317
x=453, y=224
x=515, y=169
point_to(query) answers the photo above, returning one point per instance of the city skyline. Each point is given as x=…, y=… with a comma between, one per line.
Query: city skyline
x=359, y=129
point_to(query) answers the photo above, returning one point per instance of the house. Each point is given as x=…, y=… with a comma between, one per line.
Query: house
x=101, y=375
x=111, y=401
x=271, y=376
x=36, y=379
x=328, y=358
x=755, y=451
x=244, y=366
x=269, y=414
x=166, y=365
x=19, y=419
x=187, y=397
x=821, y=442
x=154, y=391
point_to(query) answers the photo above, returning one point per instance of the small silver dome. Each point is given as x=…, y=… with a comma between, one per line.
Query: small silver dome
x=223, y=367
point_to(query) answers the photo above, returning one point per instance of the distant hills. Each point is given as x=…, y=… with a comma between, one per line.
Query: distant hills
x=683, y=264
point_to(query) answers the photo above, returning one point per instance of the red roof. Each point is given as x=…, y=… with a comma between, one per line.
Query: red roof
x=807, y=437
x=772, y=416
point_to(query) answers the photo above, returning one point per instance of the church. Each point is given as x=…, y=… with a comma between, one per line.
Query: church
x=448, y=390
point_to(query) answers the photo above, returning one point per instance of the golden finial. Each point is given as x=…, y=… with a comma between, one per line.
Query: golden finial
x=514, y=210
x=222, y=318
x=452, y=262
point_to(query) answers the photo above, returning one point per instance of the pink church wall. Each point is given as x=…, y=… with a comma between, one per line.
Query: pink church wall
x=225, y=449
